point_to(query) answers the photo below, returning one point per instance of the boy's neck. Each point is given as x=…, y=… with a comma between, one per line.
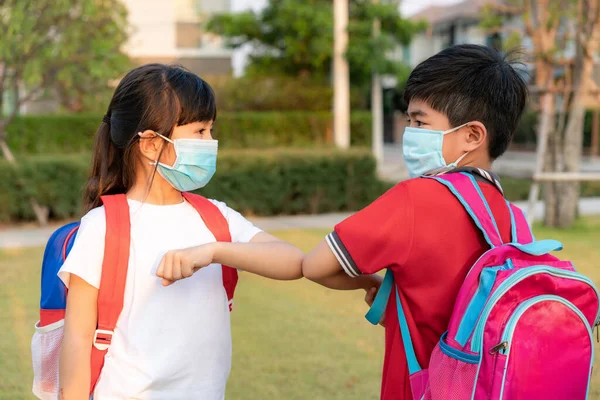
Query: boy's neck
x=478, y=159
x=481, y=165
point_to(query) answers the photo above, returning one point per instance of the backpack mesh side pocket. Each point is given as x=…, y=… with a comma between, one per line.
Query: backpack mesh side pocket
x=45, y=352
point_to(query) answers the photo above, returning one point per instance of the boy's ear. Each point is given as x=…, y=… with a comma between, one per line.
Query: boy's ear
x=150, y=144
x=476, y=135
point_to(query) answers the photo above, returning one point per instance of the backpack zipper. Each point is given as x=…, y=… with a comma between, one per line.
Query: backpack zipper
x=509, y=329
x=477, y=339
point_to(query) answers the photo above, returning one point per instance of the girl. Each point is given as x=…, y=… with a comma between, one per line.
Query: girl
x=170, y=342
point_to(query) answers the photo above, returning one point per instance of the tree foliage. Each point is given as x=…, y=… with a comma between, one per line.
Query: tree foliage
x=67, y=47
x=71, y=45
x=295, y=38
x=562, y=39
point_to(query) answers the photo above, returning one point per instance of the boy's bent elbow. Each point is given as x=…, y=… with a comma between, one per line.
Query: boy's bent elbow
x=310, y=271
x=320, y=263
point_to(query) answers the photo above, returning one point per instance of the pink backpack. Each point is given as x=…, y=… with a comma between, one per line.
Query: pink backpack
x=522, y=323
x=47, y=340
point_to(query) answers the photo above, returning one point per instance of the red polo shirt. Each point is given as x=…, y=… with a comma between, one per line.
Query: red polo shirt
x=423, y=233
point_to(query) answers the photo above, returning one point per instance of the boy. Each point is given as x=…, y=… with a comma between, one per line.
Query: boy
x=464, y=106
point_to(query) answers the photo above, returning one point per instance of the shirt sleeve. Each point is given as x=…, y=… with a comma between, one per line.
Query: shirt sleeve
x=87, y=253
x=241, y=230
x=377, y=237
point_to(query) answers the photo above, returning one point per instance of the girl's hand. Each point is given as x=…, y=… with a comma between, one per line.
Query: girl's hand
x=181, y=264
x=375, y=280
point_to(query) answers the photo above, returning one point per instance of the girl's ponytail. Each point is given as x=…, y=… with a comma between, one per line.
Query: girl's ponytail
x=107, y=172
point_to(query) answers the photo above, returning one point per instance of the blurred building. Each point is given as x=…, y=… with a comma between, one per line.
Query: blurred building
x=449, y=25
x=171, y=32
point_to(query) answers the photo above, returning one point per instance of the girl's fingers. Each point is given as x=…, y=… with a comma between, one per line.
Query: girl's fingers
x=370, y=295
x=167, y=272
x=176, y=273
x=187, y=270
x=161, y=266
x=166, y=282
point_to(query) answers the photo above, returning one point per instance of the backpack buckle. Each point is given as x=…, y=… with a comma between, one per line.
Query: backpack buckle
x=102, y=339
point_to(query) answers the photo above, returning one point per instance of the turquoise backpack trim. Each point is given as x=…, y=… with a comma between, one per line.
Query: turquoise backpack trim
x=376, y=311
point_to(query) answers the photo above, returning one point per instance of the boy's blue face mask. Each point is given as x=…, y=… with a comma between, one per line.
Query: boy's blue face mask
x=194, y=166
x=422, y=151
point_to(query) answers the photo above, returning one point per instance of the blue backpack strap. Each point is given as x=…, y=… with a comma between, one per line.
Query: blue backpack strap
x=376, y=311
x=514, y=236
x=464, y=187
x=411, y=358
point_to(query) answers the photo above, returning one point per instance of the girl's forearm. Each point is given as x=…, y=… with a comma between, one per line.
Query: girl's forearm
x=75, y=368
x=80, y=324
x=275, y=260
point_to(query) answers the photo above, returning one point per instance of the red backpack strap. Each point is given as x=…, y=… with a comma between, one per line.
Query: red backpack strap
x=114, y=276
x=217, y=224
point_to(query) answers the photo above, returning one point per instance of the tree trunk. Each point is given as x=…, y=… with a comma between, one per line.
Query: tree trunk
x=551, y=193
x=595, y=133
x=568, y=204
x=573, y=143
x=41, y=212
x=546, y=155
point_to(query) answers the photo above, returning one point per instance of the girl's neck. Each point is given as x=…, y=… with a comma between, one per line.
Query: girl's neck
x=159, y=193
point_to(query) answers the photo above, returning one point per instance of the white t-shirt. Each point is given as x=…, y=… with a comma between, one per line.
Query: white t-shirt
x=169, y=342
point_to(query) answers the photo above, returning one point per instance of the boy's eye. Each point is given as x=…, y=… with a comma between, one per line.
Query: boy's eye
x=419, y=123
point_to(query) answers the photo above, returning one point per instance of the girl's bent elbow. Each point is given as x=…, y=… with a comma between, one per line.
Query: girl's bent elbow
x=298, y=260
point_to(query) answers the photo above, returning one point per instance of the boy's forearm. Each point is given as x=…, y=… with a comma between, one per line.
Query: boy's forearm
x=275, y=260
x=341, y=281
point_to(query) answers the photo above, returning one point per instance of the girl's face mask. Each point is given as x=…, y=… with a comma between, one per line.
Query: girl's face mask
x=194, y=166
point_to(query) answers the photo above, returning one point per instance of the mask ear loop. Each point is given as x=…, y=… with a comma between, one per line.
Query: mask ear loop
x=460, y=159
x=455, y=163
x=455, y=129
x=159, y=135
x=155, y=162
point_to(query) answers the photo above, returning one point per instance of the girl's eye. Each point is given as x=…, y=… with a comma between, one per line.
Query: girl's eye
x=419, y=123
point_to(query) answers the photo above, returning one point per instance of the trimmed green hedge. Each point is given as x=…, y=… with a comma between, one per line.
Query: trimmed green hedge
x=252, y=182
x=278, y=181
x=60, y=134
x=65, y=134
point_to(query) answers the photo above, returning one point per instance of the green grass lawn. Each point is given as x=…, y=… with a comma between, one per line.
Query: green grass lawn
x=292, y=340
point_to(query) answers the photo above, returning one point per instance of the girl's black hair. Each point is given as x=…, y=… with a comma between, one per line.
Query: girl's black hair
x=156, y=97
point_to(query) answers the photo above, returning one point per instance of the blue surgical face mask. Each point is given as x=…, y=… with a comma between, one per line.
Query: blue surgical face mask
x=422, y=151
x=194, y=166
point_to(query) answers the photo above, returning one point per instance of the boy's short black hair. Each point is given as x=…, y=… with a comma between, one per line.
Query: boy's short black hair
x=472, y=83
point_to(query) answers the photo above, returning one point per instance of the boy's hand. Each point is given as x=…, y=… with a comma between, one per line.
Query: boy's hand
x=372, y=293
x=181, y=264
